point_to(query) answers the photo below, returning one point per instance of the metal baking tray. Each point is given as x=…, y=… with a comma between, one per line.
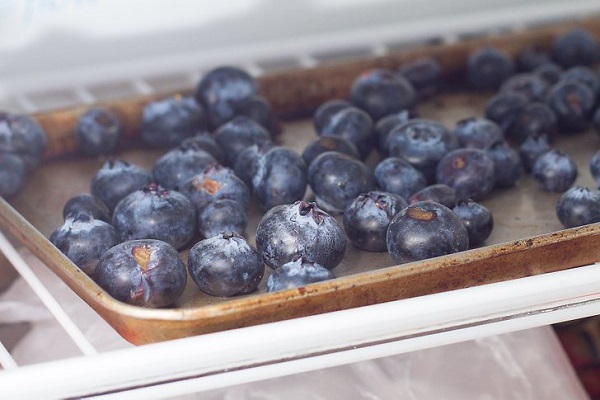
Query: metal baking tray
x=527, y=238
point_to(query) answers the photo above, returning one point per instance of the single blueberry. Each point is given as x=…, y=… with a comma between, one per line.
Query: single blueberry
x=549, y=71
x=297, y=273
x=508, y=167
x=222, y=216
x=85, y=202
x=477, y=219
x=225, y=265
x=146, y=273
x=238, y=134
x=280, y=178
x=576, y=47
x=167, y=122
x=535, y=119
x=384, y=127
x=439, y=193
x=290, y=231
x=367, y=218
x=395, y=175
x=21, y=135
x=585, y=75
x=98, y=131
x=470, y=172
x=259, y=109
x=422, y=143
x=578, y=206
x=488, y=67
x=381, y=92
x=84, y=239
x=116, y=179
x=425, y=230
x=178, y=165
x=215, y=183
x=505, y=108
x=205, y=141
x=13, y=174
x=328, y=143
x=336, y=179
x=531, y=148
x=573, y=104
x=325, y=111
x=222, y=90
x=352, y=124
x=529, y=85
x=156, y=213
x=555, y=171
x=247, y=162
x=478, y=133
x=424, y=74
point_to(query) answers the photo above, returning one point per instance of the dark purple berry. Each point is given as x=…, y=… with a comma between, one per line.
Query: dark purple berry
x=573, y=103
x=508, y=167
x=238, y=134
x=225, y=265
x=247, y=162
x=576, y=47
x=478, y=133
x=395, y=175
x=529, y=85
x=329, y=143
x=22, y=136
x=13, y=174
x=532, y=148
x=584, y=75
x=205, y=141
x=535, y=119
x=367, y=218
x=385, y=125
x=424, y=74
x=425, y=230
x=505, y=108
x=554, y=171
x=488, y=67
x=156, y=213
x=325, y=111
x=352, y=124
x=550, y=72
x=532, y=58
x=578, y=206
x=297, y=273
x=470, y=172
x=259, y=109
x=439, y=193
x=222, y=216
x=89, y=204
x=216, y=183
x=477, y=219
x=178, y=165
x=290, y=231
x=146, y=273
x=98, y=131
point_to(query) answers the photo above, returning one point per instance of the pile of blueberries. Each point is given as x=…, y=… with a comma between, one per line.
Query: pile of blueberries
x=421, y=200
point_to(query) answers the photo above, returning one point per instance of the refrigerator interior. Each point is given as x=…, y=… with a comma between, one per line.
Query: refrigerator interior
x=56, y=54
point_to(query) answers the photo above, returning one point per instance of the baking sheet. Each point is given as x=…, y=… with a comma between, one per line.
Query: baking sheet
x=515, y=248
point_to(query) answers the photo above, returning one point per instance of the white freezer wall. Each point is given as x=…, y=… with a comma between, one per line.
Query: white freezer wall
x=49, y=44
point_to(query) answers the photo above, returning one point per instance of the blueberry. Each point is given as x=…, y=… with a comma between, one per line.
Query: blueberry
x=425, y=230
x=424, y=74
x=477, y=219
x=222, y=90
x=385, y=125
x=146, y=273
x=367, y=218
x=222, y=216
x=505, y=108
x=156, y=213
x=216, y=183
x=584, y=75
x=178, y=165
x=470, y=172
x=290, y=231
x=116, y=179
x=225, y=265
x=238, y=134
x=554, y=171
x=439, y=193
x=13, y=174
x=488, y=67
x=205, y=141
x=84, y=240
x=247, y=162
x=478, y=133
x=573, y=104
x=576, y=47
x=395, y=175
x=549, y=71
x=22, y=136
x=535, y=119
x=532, y=58
x=508, y=167
x=531, y=148
x=595, y=167
x=328, y=143
x=167, y=122
x=98, y=131
x=336, y=179
x=422, y=143
x=258, y=108
x=380, y=92
x=297, y=273
x=280, y=178
x=325, y=111
x=529, y=85
x=89, y=204
x=352, y=124
x=578, y=206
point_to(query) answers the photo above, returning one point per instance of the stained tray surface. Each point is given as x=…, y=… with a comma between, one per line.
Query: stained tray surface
x=527, y=237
